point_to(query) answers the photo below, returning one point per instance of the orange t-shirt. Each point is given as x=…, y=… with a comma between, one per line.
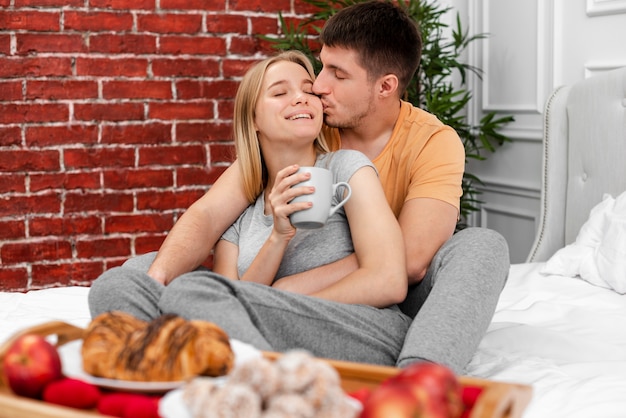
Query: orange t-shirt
x=423, y=158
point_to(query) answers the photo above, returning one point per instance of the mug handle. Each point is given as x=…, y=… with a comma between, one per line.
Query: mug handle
x=345, y=185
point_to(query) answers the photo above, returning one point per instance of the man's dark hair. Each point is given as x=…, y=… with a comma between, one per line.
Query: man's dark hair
x=383, y=34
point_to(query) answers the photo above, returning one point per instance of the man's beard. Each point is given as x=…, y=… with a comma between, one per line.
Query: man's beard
x=352, y=122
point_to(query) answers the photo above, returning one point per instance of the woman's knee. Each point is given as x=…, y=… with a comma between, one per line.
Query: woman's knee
x=141, y=262
x=125, y=289
x=104, y=289
x=191, y=290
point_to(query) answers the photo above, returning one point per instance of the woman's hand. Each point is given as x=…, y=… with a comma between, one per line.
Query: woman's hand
x=267, y=261
x=280, y=200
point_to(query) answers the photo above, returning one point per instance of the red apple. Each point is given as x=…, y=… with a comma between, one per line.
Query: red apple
x=30, y=364
x=392, y=400
x=436, y=386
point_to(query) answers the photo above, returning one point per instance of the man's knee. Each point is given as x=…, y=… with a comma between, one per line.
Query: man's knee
x=473, y=257
x=488, y=254
x=481, y=238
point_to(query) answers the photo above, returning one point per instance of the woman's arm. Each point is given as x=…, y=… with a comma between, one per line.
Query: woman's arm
x=225, y=257
x=265, y=265
x=381, y=279
x=192, y=238
x=311, y=281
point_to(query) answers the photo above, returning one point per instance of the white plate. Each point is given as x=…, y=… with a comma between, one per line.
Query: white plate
x=73, y=367
x=173, y=406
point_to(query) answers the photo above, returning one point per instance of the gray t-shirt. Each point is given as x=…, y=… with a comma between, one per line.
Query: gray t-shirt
x=309, y=248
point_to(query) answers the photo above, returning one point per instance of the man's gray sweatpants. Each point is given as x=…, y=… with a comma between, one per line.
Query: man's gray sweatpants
x=454, y=304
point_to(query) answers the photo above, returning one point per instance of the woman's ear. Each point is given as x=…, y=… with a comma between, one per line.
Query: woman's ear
x=388, y=85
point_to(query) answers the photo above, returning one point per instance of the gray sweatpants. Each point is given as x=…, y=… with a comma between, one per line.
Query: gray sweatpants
x=452, y=307
x=265, y=317
x=455, y=302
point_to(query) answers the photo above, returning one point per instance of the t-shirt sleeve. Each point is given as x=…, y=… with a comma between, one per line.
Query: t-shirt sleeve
x=232, y=233
x=343, y=164
x=438, y=173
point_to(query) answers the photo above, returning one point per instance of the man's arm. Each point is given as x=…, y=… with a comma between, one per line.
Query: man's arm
x=192, y=238
x=426, y=225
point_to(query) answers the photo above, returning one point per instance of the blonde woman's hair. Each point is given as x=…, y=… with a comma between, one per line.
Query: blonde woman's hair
x=252, y=166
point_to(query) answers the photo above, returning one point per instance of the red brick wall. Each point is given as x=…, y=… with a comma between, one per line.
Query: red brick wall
x=115, y=115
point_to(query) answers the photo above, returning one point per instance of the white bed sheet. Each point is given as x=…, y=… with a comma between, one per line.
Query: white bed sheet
x=22, y=310
x=563, y=336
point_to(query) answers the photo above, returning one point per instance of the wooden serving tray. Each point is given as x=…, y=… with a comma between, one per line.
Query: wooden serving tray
x=497, y=400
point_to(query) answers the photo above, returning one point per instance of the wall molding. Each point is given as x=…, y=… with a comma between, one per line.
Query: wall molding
x=594, y=68
x=543, y=44
x=522, y=133
x=508, y=211
x=517, y=189
x=605, y=7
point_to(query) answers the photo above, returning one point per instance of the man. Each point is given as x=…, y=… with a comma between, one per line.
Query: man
x=370, y=52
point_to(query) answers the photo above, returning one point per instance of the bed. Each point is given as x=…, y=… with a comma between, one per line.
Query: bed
x=560, y=324
x=560, y=321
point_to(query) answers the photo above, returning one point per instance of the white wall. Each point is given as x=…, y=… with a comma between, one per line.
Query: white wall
x=533, y=47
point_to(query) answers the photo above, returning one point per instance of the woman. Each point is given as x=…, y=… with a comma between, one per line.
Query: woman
x=277, y=129
x=278, y=121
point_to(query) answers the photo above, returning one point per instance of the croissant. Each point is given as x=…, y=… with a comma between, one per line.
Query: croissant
x=104, y=339
x=169, y=348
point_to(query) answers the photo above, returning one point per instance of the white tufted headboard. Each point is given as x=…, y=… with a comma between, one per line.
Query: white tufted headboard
x=584, y=156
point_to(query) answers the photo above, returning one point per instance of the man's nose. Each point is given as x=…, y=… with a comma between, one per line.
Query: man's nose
x=319, y=87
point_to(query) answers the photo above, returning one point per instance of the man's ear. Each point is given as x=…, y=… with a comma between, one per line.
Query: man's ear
x=388, y=85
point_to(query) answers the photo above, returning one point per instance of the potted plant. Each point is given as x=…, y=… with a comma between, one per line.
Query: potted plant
x=438, y=86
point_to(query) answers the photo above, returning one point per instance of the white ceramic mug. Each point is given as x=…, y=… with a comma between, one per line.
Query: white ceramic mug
x=317, y=215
